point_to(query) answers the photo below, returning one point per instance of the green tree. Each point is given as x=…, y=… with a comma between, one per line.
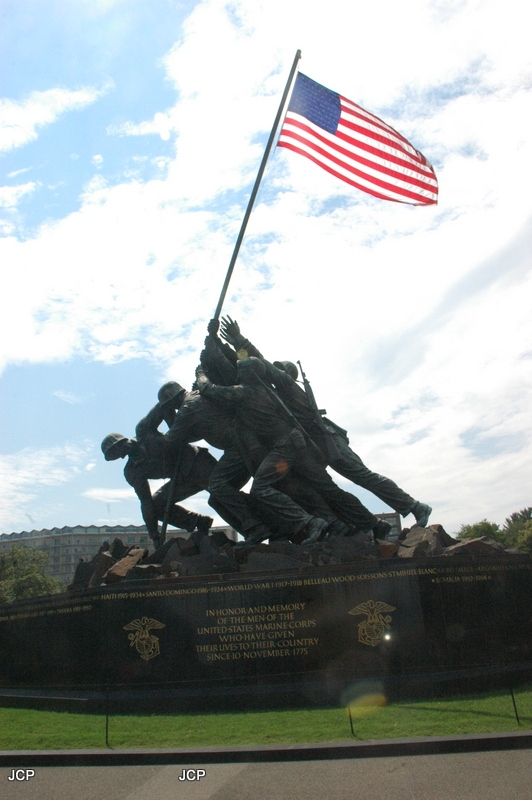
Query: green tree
x=524, y=538
x=482, y=528
x=22, y=575
x=516, y=531
x=515, y=524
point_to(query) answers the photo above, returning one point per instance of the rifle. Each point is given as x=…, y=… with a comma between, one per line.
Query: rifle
x=332, y=453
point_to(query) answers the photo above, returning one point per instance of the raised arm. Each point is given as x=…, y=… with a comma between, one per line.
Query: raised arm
x=217, y=358
x=229, y=396
x=150, y=422
x=230, y=331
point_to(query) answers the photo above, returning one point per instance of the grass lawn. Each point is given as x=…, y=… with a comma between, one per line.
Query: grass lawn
x=22, y=729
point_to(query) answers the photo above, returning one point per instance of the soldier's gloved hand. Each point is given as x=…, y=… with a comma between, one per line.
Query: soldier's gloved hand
x=210, y=345
x=213, y=326
x=230, y=330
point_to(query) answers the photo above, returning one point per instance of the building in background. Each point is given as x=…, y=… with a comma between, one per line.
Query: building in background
x=393, y=518
x=66, y=546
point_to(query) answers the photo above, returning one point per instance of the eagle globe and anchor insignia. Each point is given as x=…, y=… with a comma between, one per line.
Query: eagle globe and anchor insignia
x=371, y=630
x=144, y=642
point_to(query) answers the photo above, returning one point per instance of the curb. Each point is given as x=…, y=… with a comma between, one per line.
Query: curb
x=384, y=748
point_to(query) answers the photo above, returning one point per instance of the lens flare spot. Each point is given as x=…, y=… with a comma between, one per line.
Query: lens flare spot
x=281, y=467
x=363, y=698
x=367, y=704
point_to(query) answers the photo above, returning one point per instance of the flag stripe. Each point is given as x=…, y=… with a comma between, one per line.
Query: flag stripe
x=356, y=111
x=346, y=172
x=368, y=150
x=373, y=176
x=355, y=145
x=350, y=163
x=361, y=136
x=395, y=151
x=342, y=177
x=382, y=162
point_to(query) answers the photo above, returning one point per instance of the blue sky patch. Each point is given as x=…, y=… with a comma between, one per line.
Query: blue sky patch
x=482, y=445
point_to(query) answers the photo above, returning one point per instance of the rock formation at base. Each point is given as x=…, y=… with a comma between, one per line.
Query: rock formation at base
x=215, y=554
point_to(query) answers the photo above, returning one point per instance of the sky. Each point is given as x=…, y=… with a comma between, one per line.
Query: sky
x=131, y=132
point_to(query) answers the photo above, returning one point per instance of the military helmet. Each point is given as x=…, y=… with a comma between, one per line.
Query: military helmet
x=288, y=367
x=108, y=444
x=169, y=391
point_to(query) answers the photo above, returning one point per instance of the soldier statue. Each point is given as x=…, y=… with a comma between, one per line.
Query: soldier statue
x=150, y=457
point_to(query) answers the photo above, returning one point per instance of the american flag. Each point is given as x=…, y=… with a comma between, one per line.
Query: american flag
x=355, y=146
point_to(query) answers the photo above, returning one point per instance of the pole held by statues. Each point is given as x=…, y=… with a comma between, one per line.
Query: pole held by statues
x=257, y=184
x=254, y=192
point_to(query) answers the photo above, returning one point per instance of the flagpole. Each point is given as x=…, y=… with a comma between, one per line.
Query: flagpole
x=256, y=186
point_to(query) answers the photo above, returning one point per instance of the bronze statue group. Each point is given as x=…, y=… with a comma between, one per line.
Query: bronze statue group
x=270, y=430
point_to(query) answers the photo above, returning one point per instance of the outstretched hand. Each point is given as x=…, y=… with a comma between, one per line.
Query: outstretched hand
x=230, y=330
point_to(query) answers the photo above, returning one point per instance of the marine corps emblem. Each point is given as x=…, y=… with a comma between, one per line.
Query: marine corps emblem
x=145, y=643
x=372, y=629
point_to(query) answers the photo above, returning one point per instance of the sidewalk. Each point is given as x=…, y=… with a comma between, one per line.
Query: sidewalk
x=486, y=767
x=502, y=775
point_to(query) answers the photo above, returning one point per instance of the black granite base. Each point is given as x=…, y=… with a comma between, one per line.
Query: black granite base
x=317, y=636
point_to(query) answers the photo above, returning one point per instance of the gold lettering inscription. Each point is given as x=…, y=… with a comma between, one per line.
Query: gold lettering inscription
x=44, y=612
x=265, y=631
x=252, y=615
x=461, y=578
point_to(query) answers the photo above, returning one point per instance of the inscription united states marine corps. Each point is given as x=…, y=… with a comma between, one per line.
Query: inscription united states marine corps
x=371, y=630
x=146, y=645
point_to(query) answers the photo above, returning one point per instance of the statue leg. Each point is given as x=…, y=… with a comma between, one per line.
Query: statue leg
x=265, y=490
x=178, y=516
x=351, y=466
x=344, y=504
x=233, y=505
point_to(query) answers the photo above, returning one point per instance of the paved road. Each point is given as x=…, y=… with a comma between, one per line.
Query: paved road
x=503, y=775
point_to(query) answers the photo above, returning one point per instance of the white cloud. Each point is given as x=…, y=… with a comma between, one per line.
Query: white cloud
x=160, y=125
x=19, y=172
x=109, y=495
x=67, y=397
x=10, y=196
x=25, y=475
x=20, y=121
